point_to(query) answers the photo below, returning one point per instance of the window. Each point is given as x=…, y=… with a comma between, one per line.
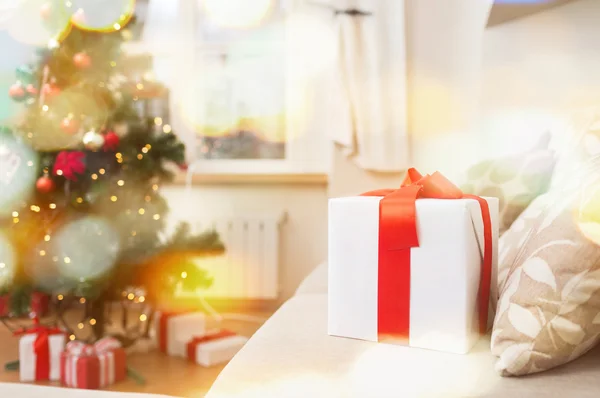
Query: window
x=239, y=110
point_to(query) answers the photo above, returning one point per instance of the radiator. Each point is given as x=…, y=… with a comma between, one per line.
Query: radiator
x=249, y=268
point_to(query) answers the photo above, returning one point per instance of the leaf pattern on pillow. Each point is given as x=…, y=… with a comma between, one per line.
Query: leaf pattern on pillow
x=539, y=270
x=515, y=180
x=549, y=305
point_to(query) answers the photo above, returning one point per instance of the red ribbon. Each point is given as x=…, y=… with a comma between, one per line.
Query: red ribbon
x=40, y=347
x=398, y=234
x=191, y=346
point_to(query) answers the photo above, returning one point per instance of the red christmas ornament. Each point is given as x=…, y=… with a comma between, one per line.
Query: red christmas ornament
x=16, y=91
x=183, y=166
x=82, y=60
x=45, y=184
x=31, y=90
x=50, y=90
x=111, y=141
x=45, y=11
x=69, y=125
x=68, y=164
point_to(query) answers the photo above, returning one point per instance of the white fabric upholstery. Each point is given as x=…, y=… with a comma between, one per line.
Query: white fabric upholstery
x=292, y=356
x=315, y=282
x=17, y=390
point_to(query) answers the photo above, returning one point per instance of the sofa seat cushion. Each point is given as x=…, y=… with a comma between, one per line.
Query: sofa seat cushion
x=292, y=356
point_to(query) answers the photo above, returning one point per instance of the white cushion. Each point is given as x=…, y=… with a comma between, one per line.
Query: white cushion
x=292, y=356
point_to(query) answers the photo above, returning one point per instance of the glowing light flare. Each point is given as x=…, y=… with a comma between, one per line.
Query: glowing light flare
x=63, y=103
x=97, y=16
x=29, y=25
x=588, y=214
x=237, y=13
x=8, y=256
x=264, y=116
x=89, y=245
x=7, y=10
x=297, y=385
x=17, y=179
x=375, y=372
x=311, y=47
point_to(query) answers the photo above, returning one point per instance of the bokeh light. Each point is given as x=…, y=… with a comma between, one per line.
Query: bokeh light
x=30, y=24
x=18, y=172
x=7, y=262
x=86, y=248
x=66, y=103
x=42, y=268
x=101, y=15
x=237, y=13
x=588, y=215
x=7, y=10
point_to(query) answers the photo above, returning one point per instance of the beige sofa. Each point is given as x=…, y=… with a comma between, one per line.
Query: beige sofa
x=292, y=356
x=15, y=390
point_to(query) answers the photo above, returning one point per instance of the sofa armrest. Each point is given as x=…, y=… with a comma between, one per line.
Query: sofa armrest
x=315, y=282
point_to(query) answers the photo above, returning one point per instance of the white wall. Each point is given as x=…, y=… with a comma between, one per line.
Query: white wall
x=536, y=70
x=303, y=234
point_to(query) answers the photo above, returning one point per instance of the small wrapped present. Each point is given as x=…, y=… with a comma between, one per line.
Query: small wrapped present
x=215, y=348
x=4, y=305
x=413, y=265
x=38, y=305
x=174, y=330
x=93, y=366
x=40, y=348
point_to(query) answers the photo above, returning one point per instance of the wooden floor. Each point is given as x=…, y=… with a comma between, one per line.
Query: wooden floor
x=164, y=375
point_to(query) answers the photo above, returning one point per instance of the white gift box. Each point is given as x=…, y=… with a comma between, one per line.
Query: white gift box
x=28, y=357
x=217, y=351
x=444, y=271
x=173, y=331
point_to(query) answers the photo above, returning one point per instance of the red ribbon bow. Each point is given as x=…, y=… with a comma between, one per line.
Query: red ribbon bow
x=79, y=348
x=398, y=234
x=40, y=347
x=191, y=346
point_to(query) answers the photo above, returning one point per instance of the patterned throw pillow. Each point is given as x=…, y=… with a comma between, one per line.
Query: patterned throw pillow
x=549, y=308
x=517, y=236
x=514, y=180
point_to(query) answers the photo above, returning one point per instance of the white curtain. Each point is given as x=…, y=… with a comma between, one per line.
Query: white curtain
x=368, y=84
x=406, y=77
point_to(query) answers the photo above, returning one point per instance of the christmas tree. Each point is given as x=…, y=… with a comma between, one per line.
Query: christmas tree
x=81, y=214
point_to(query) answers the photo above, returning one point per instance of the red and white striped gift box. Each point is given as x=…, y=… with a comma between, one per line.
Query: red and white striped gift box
x=93, y=366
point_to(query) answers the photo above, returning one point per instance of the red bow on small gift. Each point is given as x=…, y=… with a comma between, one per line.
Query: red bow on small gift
x=79, y=348
x=398, y=234
x=40, y=347
x=67, y=164
x=191, y=346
